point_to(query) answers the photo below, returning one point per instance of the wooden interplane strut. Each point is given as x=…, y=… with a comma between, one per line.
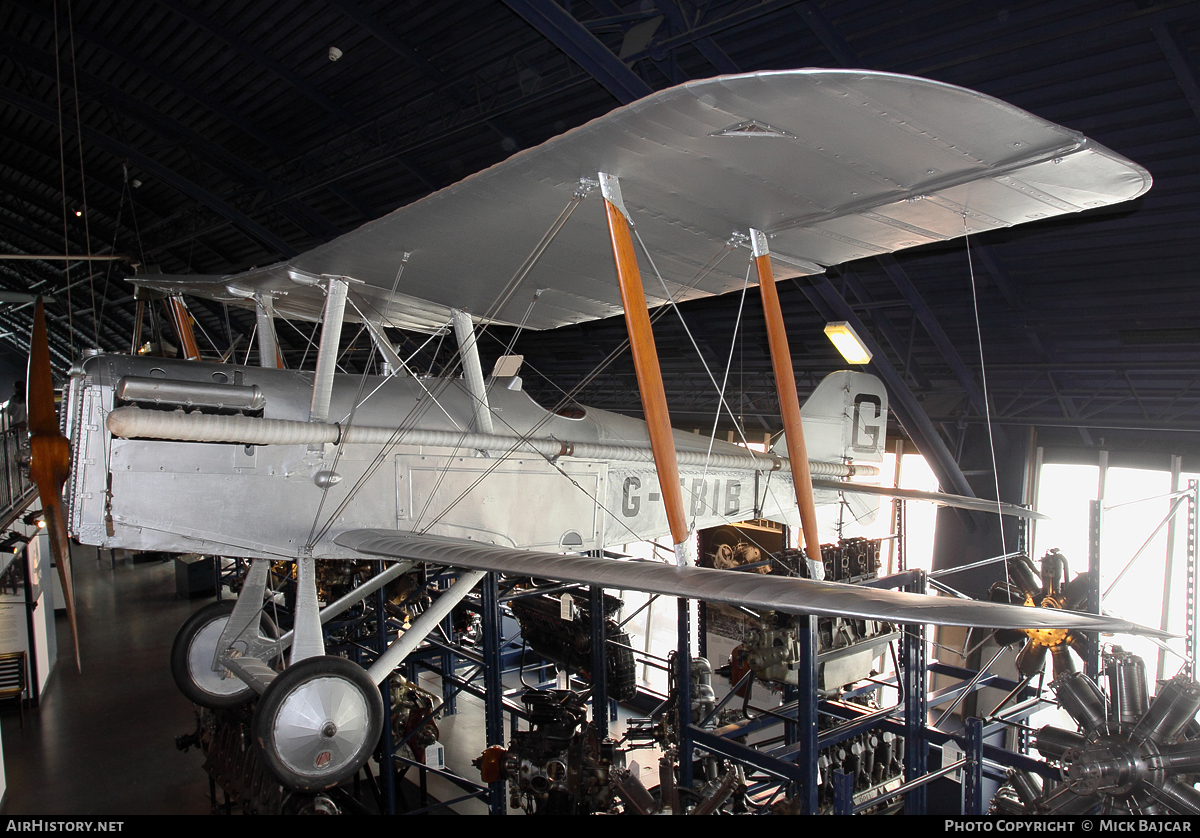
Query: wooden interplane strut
x=183, y=328
x=789, y=398
x=645, y=364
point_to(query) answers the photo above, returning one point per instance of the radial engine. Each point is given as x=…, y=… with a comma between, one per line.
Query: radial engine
x=1132, y=755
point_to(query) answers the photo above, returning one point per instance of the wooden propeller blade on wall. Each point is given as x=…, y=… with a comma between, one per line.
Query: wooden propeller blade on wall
x=50, y=459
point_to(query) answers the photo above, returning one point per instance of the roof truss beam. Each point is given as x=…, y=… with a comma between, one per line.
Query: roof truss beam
x=569, y=35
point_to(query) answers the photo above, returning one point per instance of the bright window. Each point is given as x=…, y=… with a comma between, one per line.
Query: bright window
x=920, y=515
x=1064, y=494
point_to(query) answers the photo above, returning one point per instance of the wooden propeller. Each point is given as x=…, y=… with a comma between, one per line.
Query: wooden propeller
x=50, y=459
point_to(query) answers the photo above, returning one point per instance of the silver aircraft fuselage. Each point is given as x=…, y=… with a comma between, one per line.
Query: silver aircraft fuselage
x=290, y=500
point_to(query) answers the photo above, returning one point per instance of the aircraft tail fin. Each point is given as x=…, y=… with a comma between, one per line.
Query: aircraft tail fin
x=845, y=420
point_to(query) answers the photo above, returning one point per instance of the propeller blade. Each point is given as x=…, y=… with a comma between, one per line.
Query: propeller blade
x=39, y=383
x=50, y=460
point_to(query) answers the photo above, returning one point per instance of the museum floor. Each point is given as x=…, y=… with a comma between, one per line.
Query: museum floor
x=102, y=742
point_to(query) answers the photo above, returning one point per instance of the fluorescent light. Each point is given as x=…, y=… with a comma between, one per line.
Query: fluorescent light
x=847, y=342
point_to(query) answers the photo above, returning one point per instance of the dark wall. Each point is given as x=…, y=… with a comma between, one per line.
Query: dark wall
x=965, y=537
x=12, y=368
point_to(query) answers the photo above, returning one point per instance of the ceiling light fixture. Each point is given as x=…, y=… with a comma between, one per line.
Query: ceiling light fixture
x=847, y=342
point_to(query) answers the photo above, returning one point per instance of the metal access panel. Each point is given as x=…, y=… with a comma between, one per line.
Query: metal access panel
x=535, y=504
x=87, y=493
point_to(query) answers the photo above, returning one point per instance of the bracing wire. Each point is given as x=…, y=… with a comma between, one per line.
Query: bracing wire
x=87, y=232
x=62, y=165
x=737, y=323
x=504, y=296
x=987, y=404
x=673, y=303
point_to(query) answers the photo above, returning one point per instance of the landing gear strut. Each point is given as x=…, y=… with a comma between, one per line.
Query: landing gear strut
x=192, y=657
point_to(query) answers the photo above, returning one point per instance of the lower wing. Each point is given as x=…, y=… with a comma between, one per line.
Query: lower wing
x=756, y=591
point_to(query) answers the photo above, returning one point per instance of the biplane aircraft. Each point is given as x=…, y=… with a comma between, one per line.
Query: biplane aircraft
x=797, y=170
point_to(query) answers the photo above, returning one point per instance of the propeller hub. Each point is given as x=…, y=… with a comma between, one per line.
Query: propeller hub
x=1046, y=637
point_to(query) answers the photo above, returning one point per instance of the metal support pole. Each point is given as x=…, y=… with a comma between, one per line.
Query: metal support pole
x=806, y=714
x=973, y=772
x=468, y=351
x=333, y=609
x=1190, y=628
x=895, y=562
x=449, y=694
x=388, y=767
x=843, y=793
x=380, y=339
x=136, y=343
x=331, y=336
x=10, y=450
x=916, y=706
x=1092, y=658
x=599, y=662
x=268, y=346
x=1168, y=569
x=424, y=626
x=683, y=661
x=308, y=639
x=791, y=695
x=492, y=683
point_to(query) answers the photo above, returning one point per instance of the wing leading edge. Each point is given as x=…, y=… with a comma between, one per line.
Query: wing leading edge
x=761, y=592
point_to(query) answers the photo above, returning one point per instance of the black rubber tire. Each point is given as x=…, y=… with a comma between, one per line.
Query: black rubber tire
x=294, y=701
x=200, y=684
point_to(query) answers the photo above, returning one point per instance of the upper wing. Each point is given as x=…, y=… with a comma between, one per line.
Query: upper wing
x=833, y=164
x=763, y=592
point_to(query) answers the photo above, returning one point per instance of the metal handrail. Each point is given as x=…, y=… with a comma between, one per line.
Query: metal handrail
x=16, y=489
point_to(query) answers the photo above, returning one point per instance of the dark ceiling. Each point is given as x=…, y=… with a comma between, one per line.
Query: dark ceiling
x=208, y=136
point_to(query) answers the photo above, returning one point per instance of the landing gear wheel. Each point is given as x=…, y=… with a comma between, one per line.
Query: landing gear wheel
x=192, y=656
x=318, y=722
